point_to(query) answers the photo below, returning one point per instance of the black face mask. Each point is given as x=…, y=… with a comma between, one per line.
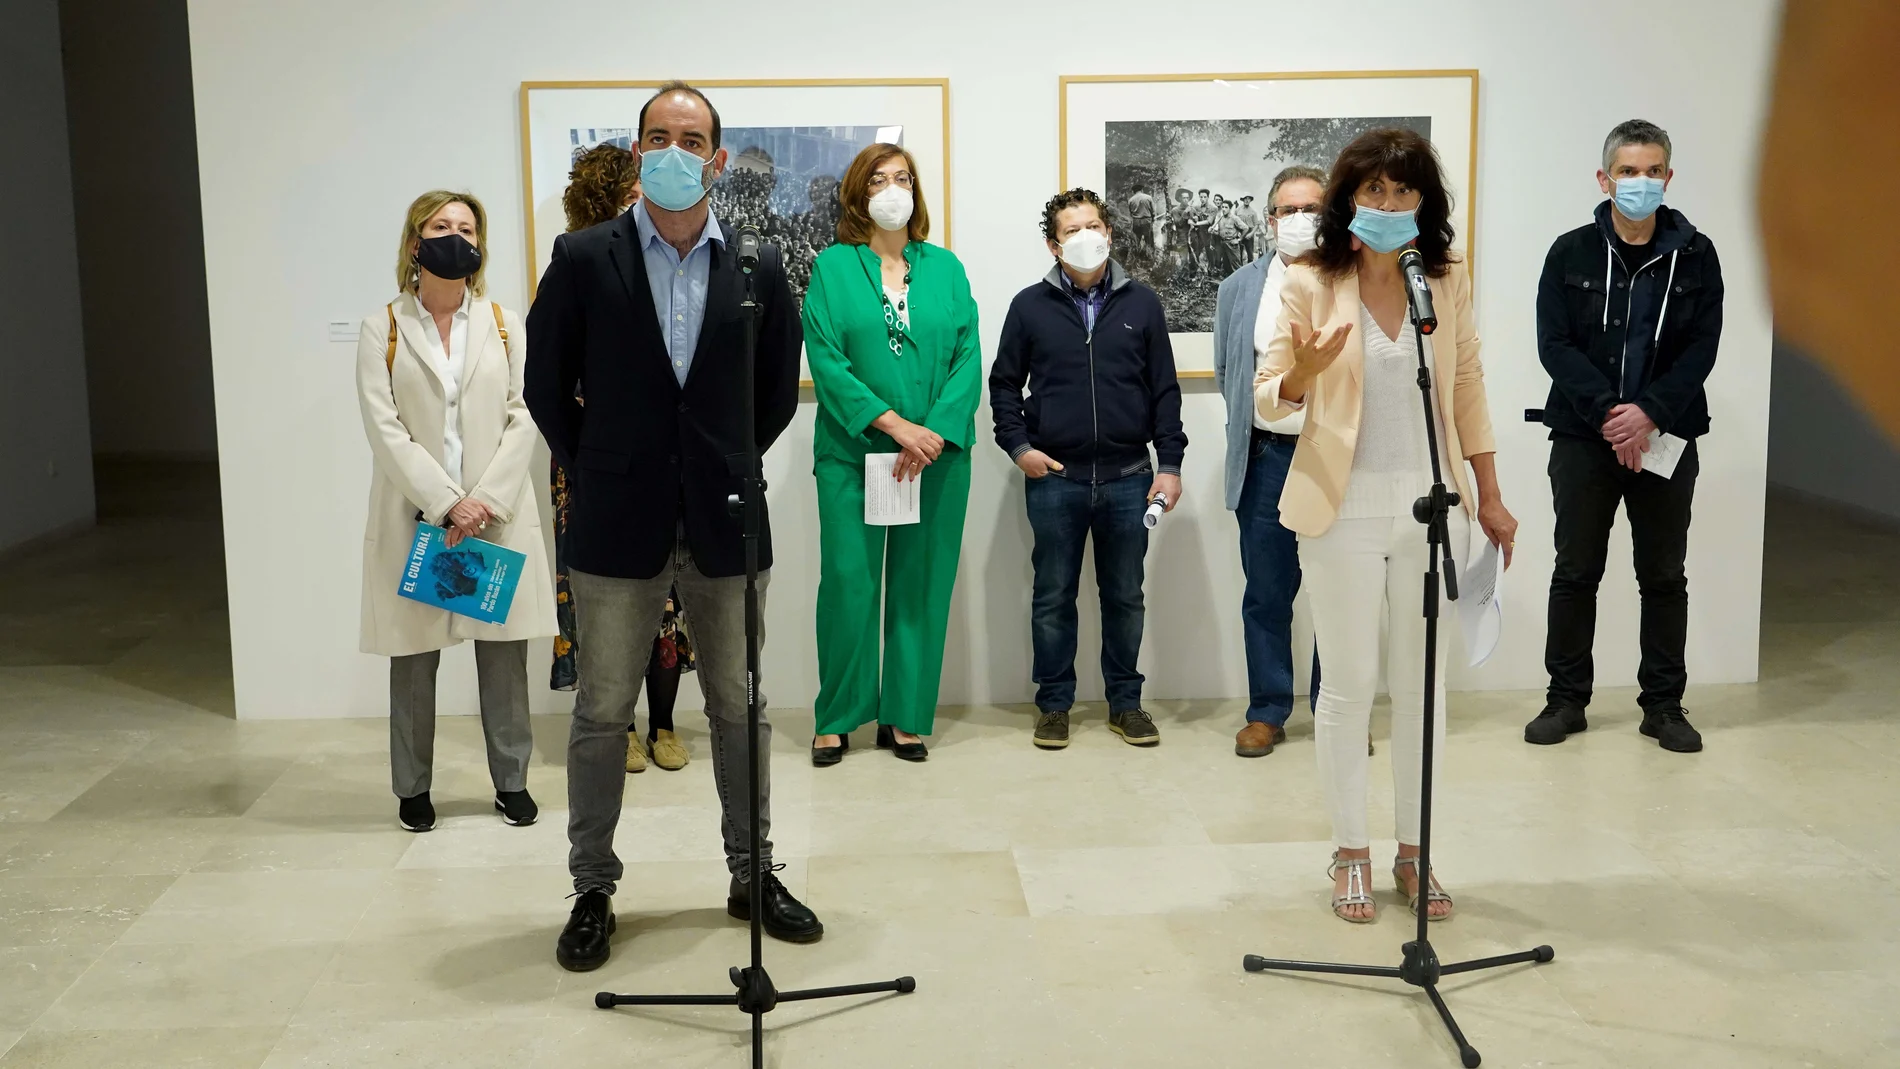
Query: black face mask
x=449, y=256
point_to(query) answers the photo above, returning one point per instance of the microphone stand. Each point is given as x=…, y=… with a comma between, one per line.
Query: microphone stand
x=755, y=993
x=1419, y=964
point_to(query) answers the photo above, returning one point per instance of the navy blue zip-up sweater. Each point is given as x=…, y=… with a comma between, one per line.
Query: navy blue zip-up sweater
x=1096, y=400
x=1611, y=332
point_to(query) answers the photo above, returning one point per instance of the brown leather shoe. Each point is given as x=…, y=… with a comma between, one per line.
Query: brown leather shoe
x=1258, y=739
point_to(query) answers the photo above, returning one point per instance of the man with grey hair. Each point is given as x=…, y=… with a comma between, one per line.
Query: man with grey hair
x=1629, y=316
x=1258, y=454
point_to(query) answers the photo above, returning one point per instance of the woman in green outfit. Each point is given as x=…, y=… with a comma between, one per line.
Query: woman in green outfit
x=890, y=331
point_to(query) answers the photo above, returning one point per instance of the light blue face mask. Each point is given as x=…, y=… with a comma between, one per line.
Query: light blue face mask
x=1384, y=231
x=1638, y=198
x=672, y=178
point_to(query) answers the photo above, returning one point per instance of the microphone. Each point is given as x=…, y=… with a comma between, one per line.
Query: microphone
x=1156, y=509
x=1417, y=290
x=748, y=249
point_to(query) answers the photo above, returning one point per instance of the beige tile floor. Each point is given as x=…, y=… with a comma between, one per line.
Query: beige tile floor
x=180, y=889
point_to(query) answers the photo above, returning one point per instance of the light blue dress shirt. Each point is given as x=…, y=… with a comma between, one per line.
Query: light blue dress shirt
x=679, y=286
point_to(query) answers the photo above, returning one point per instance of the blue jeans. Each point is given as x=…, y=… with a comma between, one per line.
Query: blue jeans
x=1270, y=558
x=1063, y=513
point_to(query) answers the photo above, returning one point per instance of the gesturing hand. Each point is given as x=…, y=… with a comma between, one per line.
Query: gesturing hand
x=1037, y=464
x=1314, y=353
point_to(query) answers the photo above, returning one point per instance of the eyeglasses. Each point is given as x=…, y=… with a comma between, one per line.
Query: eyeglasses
x=1288, y=210
x=880, y=181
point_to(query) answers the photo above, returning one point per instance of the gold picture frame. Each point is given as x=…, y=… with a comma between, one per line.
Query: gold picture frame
x=1088, y=103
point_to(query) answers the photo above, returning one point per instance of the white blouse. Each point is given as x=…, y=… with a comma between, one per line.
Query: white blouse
x=450, y=365
x=1390, y=467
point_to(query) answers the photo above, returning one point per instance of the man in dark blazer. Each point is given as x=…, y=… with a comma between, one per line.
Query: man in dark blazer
x=640, y=319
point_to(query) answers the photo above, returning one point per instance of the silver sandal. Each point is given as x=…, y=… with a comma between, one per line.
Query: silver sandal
x=1432, y=894
x=1356, y=894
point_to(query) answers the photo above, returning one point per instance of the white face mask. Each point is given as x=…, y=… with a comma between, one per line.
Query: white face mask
x=1296, y=234
x=891, y=207
x=1085, y=250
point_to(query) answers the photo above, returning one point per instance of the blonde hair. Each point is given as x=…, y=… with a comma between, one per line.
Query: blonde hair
x=408, y=274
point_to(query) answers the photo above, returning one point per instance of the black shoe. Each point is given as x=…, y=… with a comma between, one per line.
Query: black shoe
x=903, y=751
x=516, y=808
x=416, y=814
x=1555, y=724
x=1671, y=728
x=587, y=941
x=785, y=917
x=826, y=756
x=1135, y=727
x=1052, y=730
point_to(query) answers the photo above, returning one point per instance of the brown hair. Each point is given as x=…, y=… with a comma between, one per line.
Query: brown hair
x=854, y=196
x=423, y=209
x=677, y=86
x=599, y=186
x=1402, y=156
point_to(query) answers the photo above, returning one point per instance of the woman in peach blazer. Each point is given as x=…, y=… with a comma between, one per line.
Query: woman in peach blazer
x=1345, y=352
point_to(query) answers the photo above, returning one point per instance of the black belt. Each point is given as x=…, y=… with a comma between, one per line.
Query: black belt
x=1275, y=437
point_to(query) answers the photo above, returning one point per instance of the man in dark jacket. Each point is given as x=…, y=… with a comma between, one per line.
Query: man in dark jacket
x=1629, y=315
x=641, y=316
x=1091, y=346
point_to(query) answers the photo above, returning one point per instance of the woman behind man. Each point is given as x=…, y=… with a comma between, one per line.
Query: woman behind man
x=890, y=332
x=438, y=375
x=604, y=183
x=1344, y=352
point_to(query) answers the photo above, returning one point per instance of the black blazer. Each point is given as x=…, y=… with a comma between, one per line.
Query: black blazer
x=645, y=455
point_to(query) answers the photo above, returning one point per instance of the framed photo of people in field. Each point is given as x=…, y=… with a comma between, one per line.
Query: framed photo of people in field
x=1185, y=162
x=788, y=143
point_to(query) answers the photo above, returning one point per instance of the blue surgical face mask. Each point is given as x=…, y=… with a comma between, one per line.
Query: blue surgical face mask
x=1384, y=231
x=672, y=177
x=1638, y=198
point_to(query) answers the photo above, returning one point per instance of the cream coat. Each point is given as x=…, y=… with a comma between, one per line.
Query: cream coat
x=403, y=414
x=1322, y=463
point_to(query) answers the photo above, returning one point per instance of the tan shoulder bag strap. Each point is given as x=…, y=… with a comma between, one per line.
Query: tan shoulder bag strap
x=499, y=328
x=389, y=358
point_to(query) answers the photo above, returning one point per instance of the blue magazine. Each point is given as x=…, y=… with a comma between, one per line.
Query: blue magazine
x=476, y=579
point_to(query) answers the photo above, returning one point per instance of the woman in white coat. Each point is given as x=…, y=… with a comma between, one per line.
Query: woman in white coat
x=438, y=373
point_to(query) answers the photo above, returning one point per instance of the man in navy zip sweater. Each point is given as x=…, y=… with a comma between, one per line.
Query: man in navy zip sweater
x=1629, y=316
x=1091, y=346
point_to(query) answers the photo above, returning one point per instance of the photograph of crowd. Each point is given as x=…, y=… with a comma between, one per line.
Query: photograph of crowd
x=781, y=179
x=1188, y=198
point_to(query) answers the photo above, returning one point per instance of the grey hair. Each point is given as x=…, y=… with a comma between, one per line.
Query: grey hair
x=1635, y=132
x=1294, y=174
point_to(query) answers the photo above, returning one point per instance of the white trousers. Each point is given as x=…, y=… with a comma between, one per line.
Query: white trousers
x=1359, y=574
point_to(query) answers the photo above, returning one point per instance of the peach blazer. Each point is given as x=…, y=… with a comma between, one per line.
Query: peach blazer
x=1322, y=463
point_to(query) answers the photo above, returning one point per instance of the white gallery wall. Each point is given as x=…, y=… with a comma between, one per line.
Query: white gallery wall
x=318, y=123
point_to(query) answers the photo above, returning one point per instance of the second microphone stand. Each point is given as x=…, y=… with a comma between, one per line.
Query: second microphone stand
x=1419, y=964
x=755, y=993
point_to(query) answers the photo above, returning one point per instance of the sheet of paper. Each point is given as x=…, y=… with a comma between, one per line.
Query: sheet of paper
x=1664, y=451
x=888, y=501
x=1480, y=600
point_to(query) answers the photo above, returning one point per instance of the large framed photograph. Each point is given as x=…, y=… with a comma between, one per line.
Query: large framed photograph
x=1185, y=162
x=789, y=143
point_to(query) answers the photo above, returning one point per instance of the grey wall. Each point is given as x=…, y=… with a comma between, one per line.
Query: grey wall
x=1821, y=445
x=141, y=242
x=45, y=455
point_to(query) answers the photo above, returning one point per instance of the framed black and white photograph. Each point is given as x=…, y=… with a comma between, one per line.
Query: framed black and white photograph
x=788, y=144
x=1185, y=163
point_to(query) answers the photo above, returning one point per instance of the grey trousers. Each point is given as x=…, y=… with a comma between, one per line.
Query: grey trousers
x=616, y=620
x=501, y=670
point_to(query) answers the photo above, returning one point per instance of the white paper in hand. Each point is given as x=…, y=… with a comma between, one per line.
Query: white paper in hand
x=1664, y=451
x=888, y=501
x=1480, y=600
